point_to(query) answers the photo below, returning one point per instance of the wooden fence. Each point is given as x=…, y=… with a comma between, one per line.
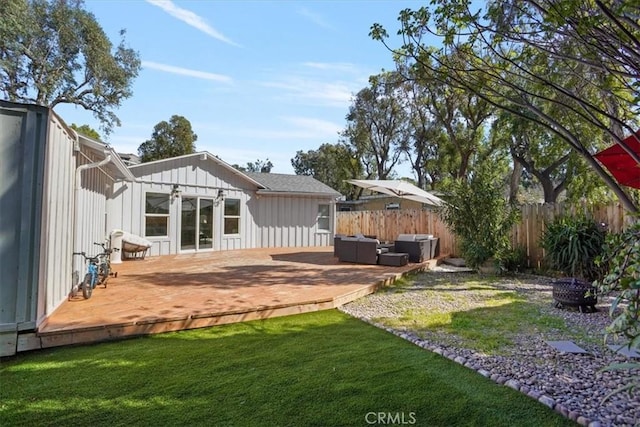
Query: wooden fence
x=386, y=225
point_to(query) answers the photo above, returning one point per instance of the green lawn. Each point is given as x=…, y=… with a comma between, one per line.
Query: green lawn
x=317, y=369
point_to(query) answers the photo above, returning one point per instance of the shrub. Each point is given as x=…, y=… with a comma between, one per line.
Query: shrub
x=512, y=260
x=571, y=245
x=622, y=257
x=478, y=213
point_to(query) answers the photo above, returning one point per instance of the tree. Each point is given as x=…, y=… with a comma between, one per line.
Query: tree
x=169, y=139
x=580, y=57
x=86, y=130
x=262, y=166
x=376, y=125
x=55, y=52
x=331, y=164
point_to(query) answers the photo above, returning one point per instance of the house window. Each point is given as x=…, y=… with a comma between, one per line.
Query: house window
x=323, y=218
x=231, y=216
x=156, y=215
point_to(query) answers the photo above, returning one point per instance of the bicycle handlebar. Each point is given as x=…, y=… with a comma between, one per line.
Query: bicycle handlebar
x=87, y=258
x=105, y=249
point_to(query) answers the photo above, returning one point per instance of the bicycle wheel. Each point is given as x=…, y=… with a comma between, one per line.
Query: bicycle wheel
x=74, y=292
x=87, y=286
x=103, y=273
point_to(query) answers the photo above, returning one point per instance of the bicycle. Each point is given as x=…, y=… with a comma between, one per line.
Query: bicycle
x=98, y=271
x=104, y=266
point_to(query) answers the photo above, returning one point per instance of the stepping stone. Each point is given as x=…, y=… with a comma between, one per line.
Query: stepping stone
x=567, y=347
x=456, y=262
x=624, y=350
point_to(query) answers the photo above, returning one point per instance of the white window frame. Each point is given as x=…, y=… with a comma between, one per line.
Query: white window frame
x=225, y=217
x=323, y=217
x=156, y=215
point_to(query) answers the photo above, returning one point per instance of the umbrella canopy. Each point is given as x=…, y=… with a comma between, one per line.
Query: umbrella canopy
x=621, y=165
x=398, y=188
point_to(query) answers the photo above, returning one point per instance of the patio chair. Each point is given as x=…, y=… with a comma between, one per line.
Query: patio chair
x=348, y=249
x=337, y=242
x=368, y=251
x=418, y=246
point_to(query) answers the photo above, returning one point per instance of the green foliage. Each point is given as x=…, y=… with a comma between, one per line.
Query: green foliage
x=54, y=52
x=622, y=257
x=573, y=82
x=478, y=213
x=572, y=244
x=512, y=260
x=376, y=125
x=331, y=164
x=315, y=369
x=86, y=130
x=169, y=139
x=262, y=166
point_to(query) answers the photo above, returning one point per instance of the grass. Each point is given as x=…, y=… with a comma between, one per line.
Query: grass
x=317, y=369
x=477, y=313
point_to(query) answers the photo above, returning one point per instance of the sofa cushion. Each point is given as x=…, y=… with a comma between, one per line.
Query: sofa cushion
x=406, y=237
x=414, y=237
x=418, y=237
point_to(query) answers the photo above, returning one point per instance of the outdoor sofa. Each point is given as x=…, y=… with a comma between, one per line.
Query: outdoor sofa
x=420, y=247
x=359, y=250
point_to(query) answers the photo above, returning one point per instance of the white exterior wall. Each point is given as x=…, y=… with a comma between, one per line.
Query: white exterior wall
x=66, y=230
x=91, y=210
x=265, y=220
x=57, y=219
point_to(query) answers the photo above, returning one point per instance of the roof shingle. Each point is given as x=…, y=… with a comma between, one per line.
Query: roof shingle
x=278, y=182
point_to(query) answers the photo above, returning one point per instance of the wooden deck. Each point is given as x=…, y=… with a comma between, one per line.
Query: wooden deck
x=177, y=292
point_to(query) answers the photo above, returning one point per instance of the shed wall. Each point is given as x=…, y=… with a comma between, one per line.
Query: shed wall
x=22, y=153
x=57, y=219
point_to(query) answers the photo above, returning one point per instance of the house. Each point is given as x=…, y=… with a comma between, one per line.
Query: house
x=197, y=202
x=60, y=192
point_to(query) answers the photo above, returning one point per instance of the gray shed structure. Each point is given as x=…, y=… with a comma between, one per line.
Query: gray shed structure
x=197, y=202
x=54, y=186
x=60, y=192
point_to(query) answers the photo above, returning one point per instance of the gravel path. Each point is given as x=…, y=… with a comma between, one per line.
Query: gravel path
x=572, y=384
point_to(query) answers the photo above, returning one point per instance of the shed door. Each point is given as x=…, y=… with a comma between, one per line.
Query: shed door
x=196, y=224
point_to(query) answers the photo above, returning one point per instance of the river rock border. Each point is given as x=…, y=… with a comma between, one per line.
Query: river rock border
x=571, y=384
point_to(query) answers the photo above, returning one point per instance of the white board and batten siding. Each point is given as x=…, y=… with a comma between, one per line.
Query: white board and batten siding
x=287, y=221
x=265, y=220
x=37, y=170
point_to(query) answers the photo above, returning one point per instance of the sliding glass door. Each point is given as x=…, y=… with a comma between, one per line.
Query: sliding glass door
x=196, y=224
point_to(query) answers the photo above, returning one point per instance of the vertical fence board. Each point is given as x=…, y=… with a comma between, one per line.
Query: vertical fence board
x=388, y=224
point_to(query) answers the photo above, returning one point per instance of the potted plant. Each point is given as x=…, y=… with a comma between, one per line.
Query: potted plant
x=572, y=244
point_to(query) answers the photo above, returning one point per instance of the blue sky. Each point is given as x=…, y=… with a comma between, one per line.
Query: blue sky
x=256, y=79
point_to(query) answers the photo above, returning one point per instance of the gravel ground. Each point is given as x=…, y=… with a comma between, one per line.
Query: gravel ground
x=572, y=384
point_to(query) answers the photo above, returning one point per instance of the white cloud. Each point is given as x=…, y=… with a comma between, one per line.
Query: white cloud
x=335, y=94
x=317, y=127
x=343, y=67
x=186, y=72
x=315, y=18
x=191, y=19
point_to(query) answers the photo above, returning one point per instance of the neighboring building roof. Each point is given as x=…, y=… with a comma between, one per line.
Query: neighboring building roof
x=129, y=159
x=298, y=184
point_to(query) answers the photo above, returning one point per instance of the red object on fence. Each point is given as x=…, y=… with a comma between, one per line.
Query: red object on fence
x=621, y=165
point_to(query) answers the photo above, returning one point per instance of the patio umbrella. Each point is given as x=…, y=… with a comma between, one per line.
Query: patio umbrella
x=398, y=188
x=621, y=165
